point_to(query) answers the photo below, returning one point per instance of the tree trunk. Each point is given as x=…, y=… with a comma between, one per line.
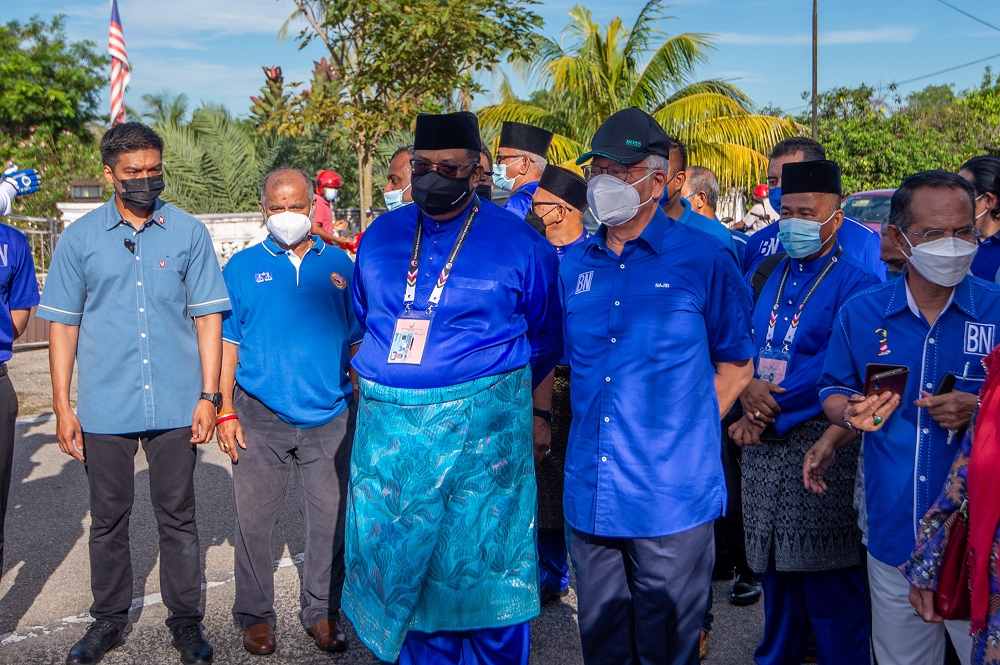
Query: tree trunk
x=365, y=181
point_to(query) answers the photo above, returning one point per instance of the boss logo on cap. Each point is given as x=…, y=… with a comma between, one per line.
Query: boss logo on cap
x=632, y=143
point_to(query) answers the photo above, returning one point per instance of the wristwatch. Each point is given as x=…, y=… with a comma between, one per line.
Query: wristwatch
x=852, y=427
x=214, y=398
x=547, y=414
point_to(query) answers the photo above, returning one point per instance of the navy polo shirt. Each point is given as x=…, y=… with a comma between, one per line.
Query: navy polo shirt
x=858, y=241
x=907, y=460
x=986, y=265
x=643, y=332
x=18, y=285
x=139, y=367
x=519, y=201
x=294, y=326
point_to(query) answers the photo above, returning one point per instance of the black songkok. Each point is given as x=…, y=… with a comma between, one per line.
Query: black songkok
x=565, y=184
x=447, y=131
x=518, y=136
x=817, y=177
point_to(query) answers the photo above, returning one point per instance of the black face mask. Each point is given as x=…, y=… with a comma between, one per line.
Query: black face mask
x=141, y=192
x=485, y=192
x=535, y=221
x=437, y=195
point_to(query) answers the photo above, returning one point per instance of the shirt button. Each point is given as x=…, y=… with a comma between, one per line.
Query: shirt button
x=606, y=419
x=929, y=384
x=926, y=430
x=604, y=458
x=607, y=379
x=622, y=266
x=138, y=283
x=145, y=361
x=142, y=309
x=795, y=283
x=923, y=479
x=789, y=302
x=930, y=341
x=142, y=334
x=617, y=303
x=137, y=258
x=614, y=339
x=786, y=318
x=146, y=387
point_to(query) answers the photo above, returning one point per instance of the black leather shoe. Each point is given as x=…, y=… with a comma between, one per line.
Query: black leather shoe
x=746, y=590
x=549, y=595
x=194, y=648
x=100, y=638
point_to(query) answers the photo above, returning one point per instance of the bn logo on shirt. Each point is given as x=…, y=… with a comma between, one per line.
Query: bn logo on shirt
x=584, y=281
x=979, y=338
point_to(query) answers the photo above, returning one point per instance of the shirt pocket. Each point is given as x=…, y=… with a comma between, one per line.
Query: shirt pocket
x=473, y=283
x=168, y=279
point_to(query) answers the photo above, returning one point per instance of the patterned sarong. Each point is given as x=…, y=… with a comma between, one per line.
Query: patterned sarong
x=440, y=528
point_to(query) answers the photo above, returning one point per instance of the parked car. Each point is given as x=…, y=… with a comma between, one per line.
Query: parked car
x=869, y=207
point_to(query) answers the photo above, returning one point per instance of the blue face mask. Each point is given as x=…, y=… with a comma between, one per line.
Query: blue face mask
x=774, y=198
x=800, y=237
x=500, y=179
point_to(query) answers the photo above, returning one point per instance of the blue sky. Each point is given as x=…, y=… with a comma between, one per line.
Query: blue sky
x=213, y=49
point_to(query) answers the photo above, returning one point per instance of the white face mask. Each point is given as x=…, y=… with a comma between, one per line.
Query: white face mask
x=331, y=193
x=500, y=179
x=945, y=261
x=289, y=228
x=614, y=201
x=979, y=216
x=394, y=198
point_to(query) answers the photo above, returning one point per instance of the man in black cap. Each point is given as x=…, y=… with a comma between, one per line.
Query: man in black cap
x=804, y=546
x=460, y=308
x=658, y=339
x=520, y=162
x=557, y=210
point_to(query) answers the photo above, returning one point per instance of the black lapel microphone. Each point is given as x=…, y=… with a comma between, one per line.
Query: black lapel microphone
x=130, y=245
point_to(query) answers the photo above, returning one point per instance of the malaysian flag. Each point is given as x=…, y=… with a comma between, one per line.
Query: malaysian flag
x=119, y=66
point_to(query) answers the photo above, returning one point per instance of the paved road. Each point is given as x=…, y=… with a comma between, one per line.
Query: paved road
x=45, y=593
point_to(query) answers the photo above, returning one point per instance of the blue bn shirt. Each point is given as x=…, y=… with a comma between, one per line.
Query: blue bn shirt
x=18, y=285
x=519, y=201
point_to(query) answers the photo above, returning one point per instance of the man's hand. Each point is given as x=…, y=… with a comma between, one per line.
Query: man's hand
x=69, y=434
x=758, y=403
x=746, y=431
x=923, y=603
x=230, y=435
x=951, y=410
x=542, y=435
x=816, y=461
x=868, y=414
x=203, y=422
x=24, y=182
x=340, y=225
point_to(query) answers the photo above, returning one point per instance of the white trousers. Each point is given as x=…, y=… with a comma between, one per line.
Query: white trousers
x=898, y=636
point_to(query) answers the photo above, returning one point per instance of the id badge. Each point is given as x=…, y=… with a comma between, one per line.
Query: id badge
x=410, y=338
x=772, y=366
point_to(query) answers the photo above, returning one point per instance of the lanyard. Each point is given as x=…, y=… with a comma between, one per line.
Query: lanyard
x=793, y=328
x=418, y=240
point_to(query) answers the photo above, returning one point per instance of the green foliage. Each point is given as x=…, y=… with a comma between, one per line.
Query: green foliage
x=46, y=82
x=164, y=108
x=580, y=86
x=316, y=151
x=266, y=110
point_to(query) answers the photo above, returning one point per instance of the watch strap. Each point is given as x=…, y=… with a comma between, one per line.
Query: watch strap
x=547, y=414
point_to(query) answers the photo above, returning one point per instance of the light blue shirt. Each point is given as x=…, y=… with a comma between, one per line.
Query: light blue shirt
x=294, y=326
x=139, y=368
x=907, y=460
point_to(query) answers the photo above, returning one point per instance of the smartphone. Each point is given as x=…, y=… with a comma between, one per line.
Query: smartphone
x=882, y=378
x=947, y=384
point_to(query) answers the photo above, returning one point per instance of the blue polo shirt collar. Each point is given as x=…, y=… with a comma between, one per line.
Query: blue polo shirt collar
x=274, y=249
x=653, y=236
x=114, y=220
x=961, y=297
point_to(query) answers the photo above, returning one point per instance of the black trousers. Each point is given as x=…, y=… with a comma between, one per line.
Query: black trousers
x=109, y=460
x=732, y=524
x=8, y=418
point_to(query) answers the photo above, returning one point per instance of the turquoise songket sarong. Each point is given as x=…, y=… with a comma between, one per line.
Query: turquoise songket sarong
x=440, y=528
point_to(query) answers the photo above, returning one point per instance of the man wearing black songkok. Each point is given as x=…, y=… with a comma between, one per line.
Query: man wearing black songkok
x=519, y=164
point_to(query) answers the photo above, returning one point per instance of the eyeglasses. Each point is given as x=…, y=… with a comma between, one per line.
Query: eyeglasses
x=536, y=204
x=966, y=233
x=422, y=167
x=501, y=158
x=619, y=171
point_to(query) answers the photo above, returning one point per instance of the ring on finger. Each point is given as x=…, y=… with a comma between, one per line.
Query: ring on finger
x=877, y=419
x=225, y=446
x=756, y=415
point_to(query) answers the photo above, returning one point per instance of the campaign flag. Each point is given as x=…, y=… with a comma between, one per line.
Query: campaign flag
x=119, y=66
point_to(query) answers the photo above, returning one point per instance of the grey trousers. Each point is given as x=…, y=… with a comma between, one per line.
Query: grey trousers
x=110, y=463
x=642, y=600
x=8, y=418
x=321, y=459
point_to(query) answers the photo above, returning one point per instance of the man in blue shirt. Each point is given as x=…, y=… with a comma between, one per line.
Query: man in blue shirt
x=135, y=295
x=557, y=208
x=286, y=402
x=857, y=239
x=936, y=320
x=18, y=294
x=658, y=338
x=519, y=164
x=459, y=303
x=984, y=174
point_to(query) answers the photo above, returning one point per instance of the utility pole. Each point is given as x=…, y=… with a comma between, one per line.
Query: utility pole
x=815, y=99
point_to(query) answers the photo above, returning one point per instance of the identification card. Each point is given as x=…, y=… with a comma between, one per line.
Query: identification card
x=772, y=367
x=409, y=338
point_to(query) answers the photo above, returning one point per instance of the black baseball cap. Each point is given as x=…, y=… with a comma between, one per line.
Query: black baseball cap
x=629, y=136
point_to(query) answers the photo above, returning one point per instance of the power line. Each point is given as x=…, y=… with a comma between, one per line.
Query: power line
x=950, y=69
x=974, y=18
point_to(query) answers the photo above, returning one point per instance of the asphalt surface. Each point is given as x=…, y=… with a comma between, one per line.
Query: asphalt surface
x=45, y=589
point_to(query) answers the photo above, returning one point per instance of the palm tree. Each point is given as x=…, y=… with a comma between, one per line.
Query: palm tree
x=165, y=108
x=599, y=73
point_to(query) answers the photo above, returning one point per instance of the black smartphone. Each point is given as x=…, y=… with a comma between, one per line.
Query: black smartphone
x=947, y=384
x=882, y=378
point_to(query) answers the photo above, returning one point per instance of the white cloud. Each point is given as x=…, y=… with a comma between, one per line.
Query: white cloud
x=888, y=35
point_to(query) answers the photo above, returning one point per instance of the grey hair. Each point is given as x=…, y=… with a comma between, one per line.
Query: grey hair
x=538, y=160
x=657, y=162
x=702, y=179
x=286, y=169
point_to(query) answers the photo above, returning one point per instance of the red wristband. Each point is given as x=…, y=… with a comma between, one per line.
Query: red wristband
x=232, y=416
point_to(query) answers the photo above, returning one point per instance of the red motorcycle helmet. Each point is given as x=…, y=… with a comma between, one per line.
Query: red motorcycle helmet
x=760, y=192
x=326, y=179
